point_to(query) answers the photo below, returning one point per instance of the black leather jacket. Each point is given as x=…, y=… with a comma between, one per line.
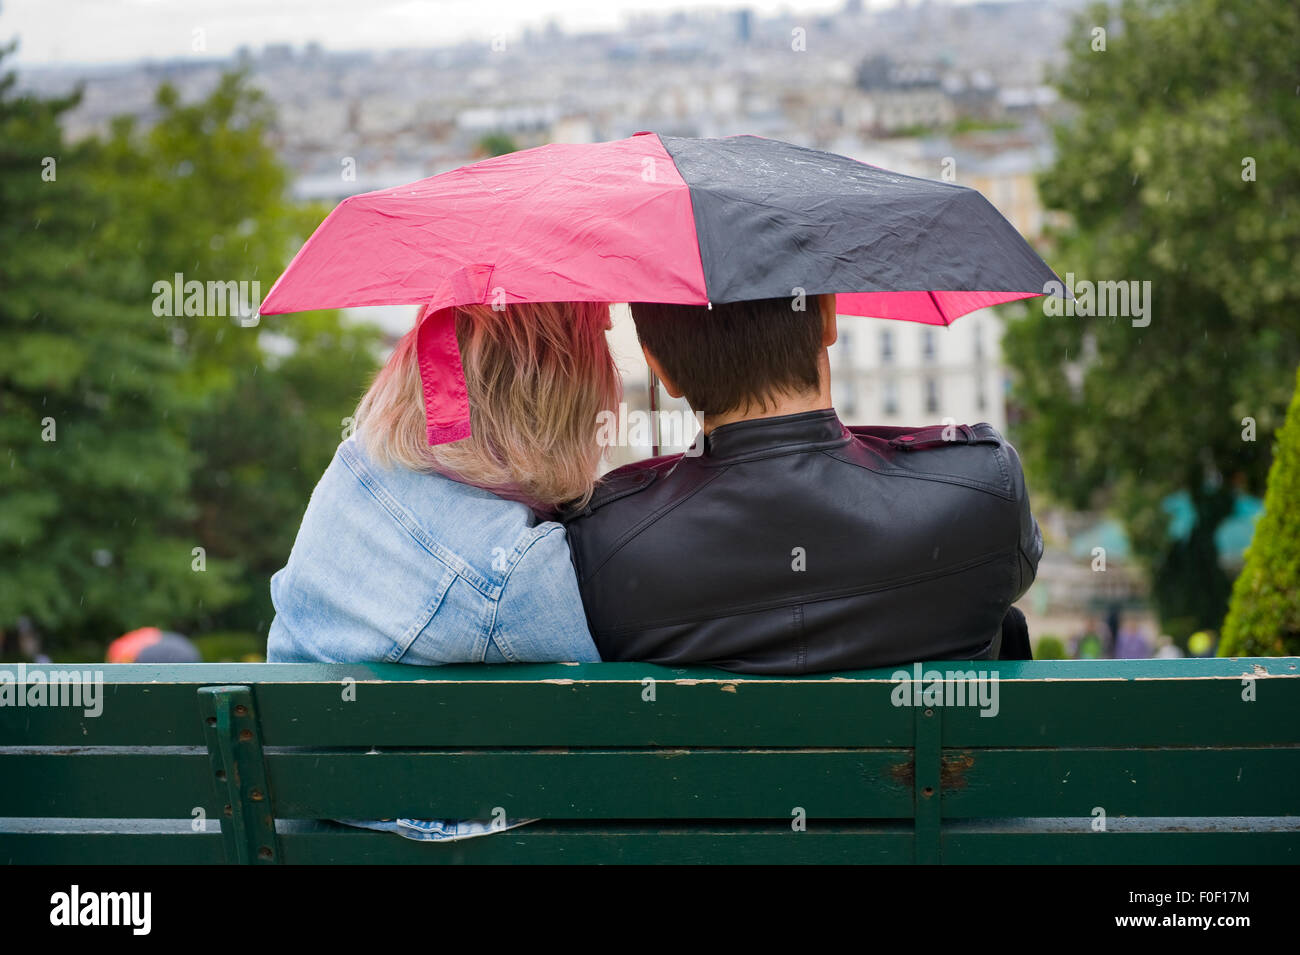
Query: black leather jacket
x=797, y=545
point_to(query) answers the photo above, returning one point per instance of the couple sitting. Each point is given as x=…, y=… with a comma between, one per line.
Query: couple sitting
x=791, y=545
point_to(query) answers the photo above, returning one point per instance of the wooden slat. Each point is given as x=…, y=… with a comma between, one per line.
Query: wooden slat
x=1073, y=703
x=635, y=843
x=593, y=784
x=686, y=843
x=127, y=783
x=709, y=710
x=1168, y=841
x=623, y=843
x=578, y=784
x=85, y=842
x=1152, y=712
x=1133, y=782
x=586, y=784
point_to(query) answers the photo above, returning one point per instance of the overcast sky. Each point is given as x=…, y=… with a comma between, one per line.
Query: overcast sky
x=105, y=31
x=114, y=31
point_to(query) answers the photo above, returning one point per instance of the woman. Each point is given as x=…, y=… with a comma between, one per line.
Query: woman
x=411, y=553
x=416, y=554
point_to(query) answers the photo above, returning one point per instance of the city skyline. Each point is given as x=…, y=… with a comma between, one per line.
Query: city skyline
x=121, y=32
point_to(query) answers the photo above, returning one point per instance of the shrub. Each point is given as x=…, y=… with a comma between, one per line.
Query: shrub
x=1264, y=615
x=1050, y=648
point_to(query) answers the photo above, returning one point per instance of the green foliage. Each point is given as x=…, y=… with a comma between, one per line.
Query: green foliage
x=1264, y=616
x=170, y=432
x=496, y=144
x=1089, y=647
x=1049, y=647
x=231, y=646
x=92, y=401
x=1150, y=170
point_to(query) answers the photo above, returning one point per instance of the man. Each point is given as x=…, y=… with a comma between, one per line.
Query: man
x=793, y=544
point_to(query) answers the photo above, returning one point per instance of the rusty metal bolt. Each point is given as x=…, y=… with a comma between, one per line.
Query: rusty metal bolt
x=228, y=811
x=212, y=721
x=241, y=710
x=927, y=792
x=245, y=735
x=929, y=712
x=255, y=795
x=221, y=774
x=264, y=852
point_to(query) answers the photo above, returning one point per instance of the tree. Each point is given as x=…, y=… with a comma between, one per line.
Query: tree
x=96, y=463
x=1180, y=168
x=1264, y=616
x=181, y=448
x=202, y=193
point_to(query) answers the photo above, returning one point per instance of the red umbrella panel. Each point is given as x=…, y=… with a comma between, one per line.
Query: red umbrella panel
x=656, y=219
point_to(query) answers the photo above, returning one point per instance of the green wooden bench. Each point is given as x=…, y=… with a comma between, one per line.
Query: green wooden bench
x=1104, y=761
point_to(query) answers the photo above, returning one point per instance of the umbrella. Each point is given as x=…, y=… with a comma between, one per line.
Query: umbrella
x=656, y=219
x=152, y=645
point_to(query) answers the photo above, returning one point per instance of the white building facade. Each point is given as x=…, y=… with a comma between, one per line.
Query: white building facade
x=903, y=373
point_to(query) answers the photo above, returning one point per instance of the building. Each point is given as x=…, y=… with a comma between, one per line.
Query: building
x=903, y=373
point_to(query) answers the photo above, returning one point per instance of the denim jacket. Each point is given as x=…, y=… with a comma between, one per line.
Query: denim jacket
x=397, y=566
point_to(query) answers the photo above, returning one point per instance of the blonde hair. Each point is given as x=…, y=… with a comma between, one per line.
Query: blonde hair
x=537, y=375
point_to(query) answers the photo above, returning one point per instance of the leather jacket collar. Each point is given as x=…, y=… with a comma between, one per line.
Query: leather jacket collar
x=806, y=431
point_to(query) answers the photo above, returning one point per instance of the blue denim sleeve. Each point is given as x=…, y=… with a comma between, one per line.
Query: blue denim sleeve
x=539, y=616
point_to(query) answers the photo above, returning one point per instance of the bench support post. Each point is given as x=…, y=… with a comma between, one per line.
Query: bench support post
x=927, y=755
x=230, y=729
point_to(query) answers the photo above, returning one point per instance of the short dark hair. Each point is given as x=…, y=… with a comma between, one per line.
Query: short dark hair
x=734, y=354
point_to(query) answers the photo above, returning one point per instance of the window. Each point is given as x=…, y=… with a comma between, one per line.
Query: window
x=845, y=397
x=981, y=395
x=927, y=344
x=890, y=388
x=979, y=342
x=845, y=346
x=886, y=347
x=931, y=395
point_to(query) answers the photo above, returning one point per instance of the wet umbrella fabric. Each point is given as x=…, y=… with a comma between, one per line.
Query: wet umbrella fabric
x=661, y=219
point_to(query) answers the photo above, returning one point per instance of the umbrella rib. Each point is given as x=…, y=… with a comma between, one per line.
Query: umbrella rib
x=937, y=307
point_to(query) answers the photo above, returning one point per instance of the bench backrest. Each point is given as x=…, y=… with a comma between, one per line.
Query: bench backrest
x=1094, y=761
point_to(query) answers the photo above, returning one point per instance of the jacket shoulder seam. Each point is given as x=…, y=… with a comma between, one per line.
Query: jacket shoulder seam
x=941, y=477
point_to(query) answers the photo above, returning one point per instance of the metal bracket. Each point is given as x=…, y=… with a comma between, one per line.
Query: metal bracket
x=927, y=757
x=239, y=779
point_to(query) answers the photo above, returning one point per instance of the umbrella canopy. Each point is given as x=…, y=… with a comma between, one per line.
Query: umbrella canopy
x=152, y=645
x=657, y=219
